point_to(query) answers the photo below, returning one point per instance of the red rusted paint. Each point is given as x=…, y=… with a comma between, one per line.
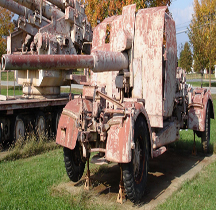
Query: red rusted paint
x=118, y=146
x=170, y=60
x=21, y=103
x=148, y=44
x=67, y=132
x=99, y=61
x=70, y=121
x=165, y=136
x=78, y=78
x=197, y=114
x=33, y=62
x=120, y=136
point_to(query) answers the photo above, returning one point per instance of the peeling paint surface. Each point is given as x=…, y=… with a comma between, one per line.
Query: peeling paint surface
x=148, y=47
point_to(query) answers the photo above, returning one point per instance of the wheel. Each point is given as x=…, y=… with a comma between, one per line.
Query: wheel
x=19, y=128
x=74, y=163
x=205, y=136
x=135, y=173
x=40, y=124
x=57, y=118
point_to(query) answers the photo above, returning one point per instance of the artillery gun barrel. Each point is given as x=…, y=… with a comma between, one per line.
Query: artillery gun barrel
x=14, y=7
x=98, y=61
x=48, y=10
x=59, y=3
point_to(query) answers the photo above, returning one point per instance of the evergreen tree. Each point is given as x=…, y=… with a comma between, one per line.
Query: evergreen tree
x=186, y=58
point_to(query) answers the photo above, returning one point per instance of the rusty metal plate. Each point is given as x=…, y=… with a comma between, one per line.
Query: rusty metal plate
x=118, y=147
x=148, y=47
x=170, y=66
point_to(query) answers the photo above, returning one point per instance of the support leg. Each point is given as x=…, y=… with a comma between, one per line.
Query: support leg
x=121, y=194
x=194, y=151
x=88, y=184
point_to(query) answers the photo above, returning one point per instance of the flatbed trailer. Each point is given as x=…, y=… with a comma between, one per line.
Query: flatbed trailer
x=20, y=115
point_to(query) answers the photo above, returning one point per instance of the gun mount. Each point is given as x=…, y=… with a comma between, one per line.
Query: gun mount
x=45, y=29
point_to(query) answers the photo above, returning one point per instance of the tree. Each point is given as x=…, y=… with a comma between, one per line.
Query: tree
x=202, y=34
x=98, y=10
x=186, y=58
x=6, y=27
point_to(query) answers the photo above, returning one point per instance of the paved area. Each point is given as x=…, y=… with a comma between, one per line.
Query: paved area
x=167, y=173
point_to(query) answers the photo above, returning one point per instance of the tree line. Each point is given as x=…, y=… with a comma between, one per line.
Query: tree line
x=202, y=35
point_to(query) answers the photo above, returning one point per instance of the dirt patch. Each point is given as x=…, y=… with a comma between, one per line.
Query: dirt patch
x=167, y=173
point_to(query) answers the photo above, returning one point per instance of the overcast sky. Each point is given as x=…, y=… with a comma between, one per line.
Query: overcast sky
x=182, y=11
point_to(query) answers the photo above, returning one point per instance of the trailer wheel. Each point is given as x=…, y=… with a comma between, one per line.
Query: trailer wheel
x=74, y=162
x=135, y=173
x=19, y=128
x=40, y=124
x=205, y=137
x=56, y=121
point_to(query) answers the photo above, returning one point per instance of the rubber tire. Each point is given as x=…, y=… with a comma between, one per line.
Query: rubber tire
x=18, y=119
x=40, y=116
x=205, y=137
x=56, y=121
x=136, y=188
x=74, y=163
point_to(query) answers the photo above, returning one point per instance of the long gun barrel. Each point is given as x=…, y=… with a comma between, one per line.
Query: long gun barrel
x=59, y=3
x=48, y=10
x=98, y=61
x=14, y=7
x=62, y=3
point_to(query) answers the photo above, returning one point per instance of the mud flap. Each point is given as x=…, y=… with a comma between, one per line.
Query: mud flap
x=67, y=132
x=120, y=135
x=197, y=109
x=118, y=147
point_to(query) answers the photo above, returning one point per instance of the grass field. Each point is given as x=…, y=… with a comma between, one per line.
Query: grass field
x=199, y=193
x=198, y=76
x=196, y=194
x=31, y=183
x=204, y=84
x=10, y=76
x=18, y=91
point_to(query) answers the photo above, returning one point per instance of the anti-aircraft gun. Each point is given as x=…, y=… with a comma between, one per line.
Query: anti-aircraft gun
x=135, y=101
x=43, y=28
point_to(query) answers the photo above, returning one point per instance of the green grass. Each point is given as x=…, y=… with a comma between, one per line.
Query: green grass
x=205, y=84
x=196, y=194
x=27, y=184
x=30, y=146
x=10, y=76
x=32, y=184
x=18, y=90
x=198, y=76
x=73, y=90
x=187, y=136
x=199, y=193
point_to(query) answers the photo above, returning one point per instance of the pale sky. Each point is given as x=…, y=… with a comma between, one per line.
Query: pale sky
x=182, y=11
